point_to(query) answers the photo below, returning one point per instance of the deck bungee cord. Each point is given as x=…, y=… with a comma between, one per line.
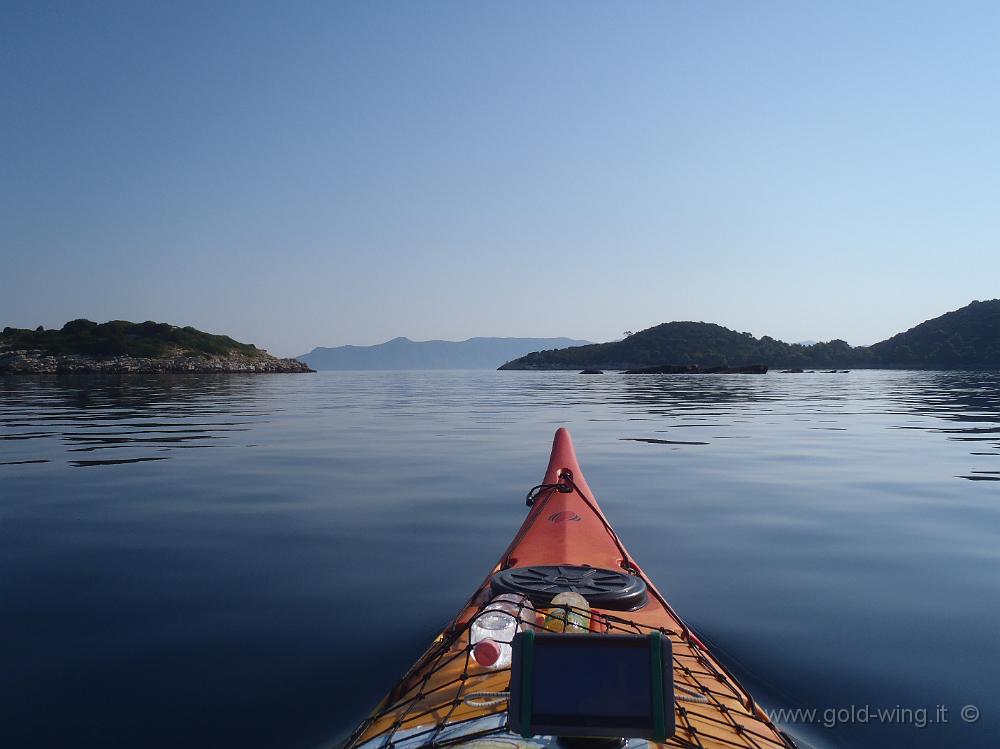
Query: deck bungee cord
x=489, y=699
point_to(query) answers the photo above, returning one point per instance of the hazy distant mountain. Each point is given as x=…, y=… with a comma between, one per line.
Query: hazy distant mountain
x=402, y=353
x=967, y=338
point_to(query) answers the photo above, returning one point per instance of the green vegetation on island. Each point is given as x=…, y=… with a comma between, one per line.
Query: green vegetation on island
x=967, y=338
x=122, y=338
x=121, y=347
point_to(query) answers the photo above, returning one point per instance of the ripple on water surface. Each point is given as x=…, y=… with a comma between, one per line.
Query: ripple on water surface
x=252, y=560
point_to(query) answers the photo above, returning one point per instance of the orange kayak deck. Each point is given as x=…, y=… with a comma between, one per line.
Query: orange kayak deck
x=444, y=699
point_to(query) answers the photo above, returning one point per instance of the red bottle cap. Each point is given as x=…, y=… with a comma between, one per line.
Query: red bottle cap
x=486, y=653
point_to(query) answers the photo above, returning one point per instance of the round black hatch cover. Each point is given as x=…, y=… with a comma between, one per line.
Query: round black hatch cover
x=603, y=589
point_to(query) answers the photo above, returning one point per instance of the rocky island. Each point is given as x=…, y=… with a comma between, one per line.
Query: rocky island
x=121, y=347
x=966, y=338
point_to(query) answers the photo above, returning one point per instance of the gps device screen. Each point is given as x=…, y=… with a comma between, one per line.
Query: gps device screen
x=591, y=685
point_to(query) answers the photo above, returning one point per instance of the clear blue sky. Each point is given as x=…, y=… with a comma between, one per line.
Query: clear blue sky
x=302, y=174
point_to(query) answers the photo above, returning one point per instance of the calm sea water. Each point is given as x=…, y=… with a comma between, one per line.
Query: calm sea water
x=252, y=561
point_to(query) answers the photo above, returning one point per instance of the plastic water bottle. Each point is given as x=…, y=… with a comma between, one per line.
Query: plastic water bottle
x=524, y=610
x=570, y=612
x=497, y=623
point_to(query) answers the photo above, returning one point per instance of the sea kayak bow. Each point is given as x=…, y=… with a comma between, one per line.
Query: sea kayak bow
x=565, y=544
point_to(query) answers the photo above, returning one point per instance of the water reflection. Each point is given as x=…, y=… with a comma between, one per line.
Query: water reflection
x=141, y=416
x=252, y=560
x=920, y=401
x=654, y=441
x=131, y=416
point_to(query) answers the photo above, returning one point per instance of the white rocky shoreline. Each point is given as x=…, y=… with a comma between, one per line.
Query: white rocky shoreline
x=38, y=362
